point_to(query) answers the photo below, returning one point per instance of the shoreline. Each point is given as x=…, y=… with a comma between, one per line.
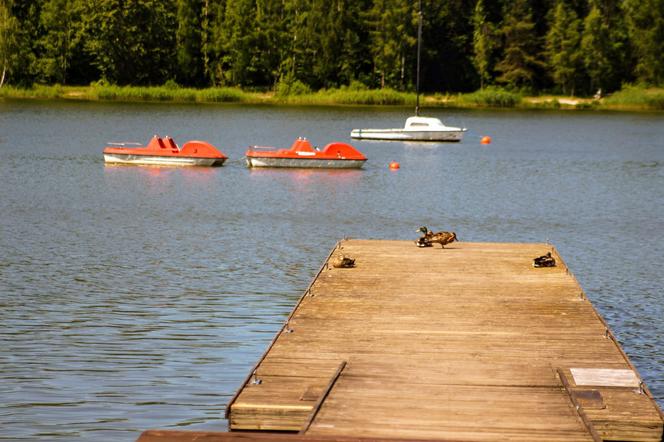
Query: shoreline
x=629, y=99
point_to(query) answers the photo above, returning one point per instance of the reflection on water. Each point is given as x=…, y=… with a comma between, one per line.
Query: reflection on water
x=140, y=297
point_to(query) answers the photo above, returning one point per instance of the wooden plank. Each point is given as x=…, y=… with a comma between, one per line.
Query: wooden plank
x=578, y=407
x=243, y=436
x=322, y=398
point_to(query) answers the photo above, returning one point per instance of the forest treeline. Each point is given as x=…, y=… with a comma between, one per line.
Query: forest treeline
x=561, y=46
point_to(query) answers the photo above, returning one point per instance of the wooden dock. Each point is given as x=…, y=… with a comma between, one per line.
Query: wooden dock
x=466, y=343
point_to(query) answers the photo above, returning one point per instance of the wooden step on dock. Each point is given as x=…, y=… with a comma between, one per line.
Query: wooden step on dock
x=465, y=343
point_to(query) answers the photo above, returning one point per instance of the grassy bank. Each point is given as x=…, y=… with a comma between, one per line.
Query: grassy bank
x=629, y=98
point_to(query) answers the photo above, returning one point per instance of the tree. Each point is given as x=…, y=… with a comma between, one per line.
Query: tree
x=8, y=44
x=353, y=62
x=447, y=46
x=645, y=20
x=393, y=36
x=23, y=26
x=521, y=55
x=132, y=41
x=189, y=42
x=293, y=64
x=214, y=41
x=604, y=46
x=328, y=45
x=60, y=43
x=248, y=42
x=563, y=47
x=483, y=37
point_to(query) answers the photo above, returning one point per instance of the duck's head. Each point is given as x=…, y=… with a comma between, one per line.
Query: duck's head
x=423, y=229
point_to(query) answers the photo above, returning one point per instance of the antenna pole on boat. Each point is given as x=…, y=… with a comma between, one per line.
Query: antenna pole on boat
x=419, y=44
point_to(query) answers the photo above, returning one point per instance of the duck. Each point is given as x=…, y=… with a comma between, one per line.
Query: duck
x=429, y=238
x=544, y=261
x=422, y=240
x=342, y=262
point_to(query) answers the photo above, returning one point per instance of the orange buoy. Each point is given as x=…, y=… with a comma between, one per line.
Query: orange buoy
x=394, y=165
x=485, y=140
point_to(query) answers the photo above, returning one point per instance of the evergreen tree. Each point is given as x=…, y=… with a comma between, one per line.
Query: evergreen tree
x=327, y=41
x=447, y=47
x=249, y=44
x=214, y=47
x=60, y=44
x=593, y=44
x=258, y=43
x=393, y=36
x=326, y=25
x=604, y=46
x=189, y=44
x=354, y=63
x=520, y=60
x=483, y=38
x=8, y=43
x=563, y=47
x=206, y=34
x=270, y=41
x=293, y=66
x=23, y=60
x=645, y=20
x=132, y=41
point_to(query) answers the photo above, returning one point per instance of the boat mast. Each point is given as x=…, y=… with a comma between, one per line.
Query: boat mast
x=419, y=44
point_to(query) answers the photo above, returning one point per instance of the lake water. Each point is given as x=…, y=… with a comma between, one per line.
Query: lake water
x=135, y=298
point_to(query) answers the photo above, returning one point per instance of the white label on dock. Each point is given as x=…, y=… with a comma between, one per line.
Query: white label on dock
x=605, y=377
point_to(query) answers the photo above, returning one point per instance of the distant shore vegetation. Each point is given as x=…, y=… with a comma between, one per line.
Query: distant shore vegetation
x=475, y=52
x=630, y=98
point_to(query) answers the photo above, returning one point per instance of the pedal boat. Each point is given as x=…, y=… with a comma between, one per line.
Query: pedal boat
x=164, y=152
x=302, y=154
x=415, y=129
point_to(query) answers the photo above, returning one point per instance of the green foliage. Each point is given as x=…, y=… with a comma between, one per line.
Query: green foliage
x=171, y=84
x=393, y=32
x=645, y=20
x=384, y=96
x=355, y=85
x=447, y=47
x=637, y=96
x=347, y=96
x=61, y=39
x=132, y=41
x=563, y=47
x=8, y=42
x=604, y=46
x=20, y=32
x=483, y=43
x=492, y=97
x=189, y=41
x=221, y=95
x=288, y=86
x=520, y=61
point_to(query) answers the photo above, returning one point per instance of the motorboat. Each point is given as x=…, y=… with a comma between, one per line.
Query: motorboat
x=335, y=155
x=164, y=152
x=416, y=129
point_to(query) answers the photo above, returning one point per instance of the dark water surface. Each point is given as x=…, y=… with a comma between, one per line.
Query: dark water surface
x=135, y=298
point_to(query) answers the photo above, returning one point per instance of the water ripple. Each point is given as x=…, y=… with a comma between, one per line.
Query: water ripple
x=135, y=298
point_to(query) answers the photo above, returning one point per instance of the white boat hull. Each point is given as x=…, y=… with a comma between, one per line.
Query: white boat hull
x=153, y=160
x=407, y=135
x=304, y=163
